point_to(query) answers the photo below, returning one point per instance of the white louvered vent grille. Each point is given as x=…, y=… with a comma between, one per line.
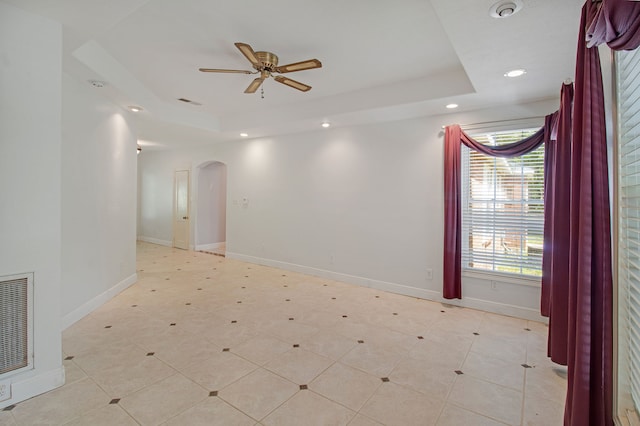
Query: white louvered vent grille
x=14, y=323
x=628, y=90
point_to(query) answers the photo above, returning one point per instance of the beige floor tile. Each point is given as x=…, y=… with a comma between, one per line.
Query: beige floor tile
x=437, y=352
x=502, y=348
x=456, y=416
x=109, y=415
x=181, y=351
x=163, y=400
x=547, y=381
x=61, y=405
x=494, y=370
x=376, y=360
x=258, y=393
x=346, y=385
x=211, y=412
x=309, y=409
x=229, y=335
x=395, y=405
x=491, y=400
x=538, y=327
x=6, y=419
x=537, y=348
x=329, y=344
x=317, y=318
x=72, y=373
x=89, y=336
x=132, y=375
x=361, y=420
x=261, y=349
x=543, y=412
x=291, y=331
x=108, y=357
x=358, y=330
x=299, y=366
x=219, y=370
x=456, y=340
x=434, y=379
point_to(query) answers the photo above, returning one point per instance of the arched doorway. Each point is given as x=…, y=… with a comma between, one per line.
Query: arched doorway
x=211, y=213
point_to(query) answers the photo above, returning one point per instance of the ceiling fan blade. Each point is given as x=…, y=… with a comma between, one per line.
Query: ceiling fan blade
x=254, y=85
x=299, y=66
x=225, y=71
x=248, y=52
x=292, y=83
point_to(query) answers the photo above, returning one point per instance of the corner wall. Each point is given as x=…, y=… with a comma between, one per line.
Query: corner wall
x=99, y=200
x=30, y=166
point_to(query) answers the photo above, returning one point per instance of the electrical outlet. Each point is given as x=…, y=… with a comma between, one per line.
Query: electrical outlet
x=5, y=390
x=429, y=274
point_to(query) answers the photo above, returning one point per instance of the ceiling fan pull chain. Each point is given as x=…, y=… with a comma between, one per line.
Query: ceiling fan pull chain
x=262, y=92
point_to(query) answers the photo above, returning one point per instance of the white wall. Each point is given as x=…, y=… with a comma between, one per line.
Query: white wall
x=211, y=200
x=361, y=204
x=30, y=143
x=99, y=196
x=155, y=199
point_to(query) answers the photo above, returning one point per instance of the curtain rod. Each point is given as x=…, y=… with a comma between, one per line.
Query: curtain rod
x=500, y=121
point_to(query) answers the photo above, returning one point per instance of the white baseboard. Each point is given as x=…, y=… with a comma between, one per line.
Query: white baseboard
x=22, y=390
x=93, y=304
x=483, y=305
x=155, y=241
x=212, y=246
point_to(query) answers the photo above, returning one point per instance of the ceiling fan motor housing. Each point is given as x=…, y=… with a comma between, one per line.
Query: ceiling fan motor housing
x=267, y=61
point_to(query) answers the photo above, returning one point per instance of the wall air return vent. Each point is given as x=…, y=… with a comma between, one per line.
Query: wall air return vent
x=16, y=312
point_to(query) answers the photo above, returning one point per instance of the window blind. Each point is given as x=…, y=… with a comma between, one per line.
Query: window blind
x=628, y=120
x=502, y=208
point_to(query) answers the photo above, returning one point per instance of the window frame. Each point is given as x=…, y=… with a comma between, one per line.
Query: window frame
x=493, y=274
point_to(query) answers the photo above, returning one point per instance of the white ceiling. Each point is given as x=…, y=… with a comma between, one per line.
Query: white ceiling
x=380, y=58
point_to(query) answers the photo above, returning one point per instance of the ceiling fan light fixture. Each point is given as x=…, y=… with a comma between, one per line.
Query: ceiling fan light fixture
x=505, y=8
x=266, y=63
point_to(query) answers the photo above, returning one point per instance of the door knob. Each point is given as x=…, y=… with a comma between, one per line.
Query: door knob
x=185, y=217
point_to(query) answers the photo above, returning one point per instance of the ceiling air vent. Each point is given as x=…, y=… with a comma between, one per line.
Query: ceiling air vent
x=189, y=101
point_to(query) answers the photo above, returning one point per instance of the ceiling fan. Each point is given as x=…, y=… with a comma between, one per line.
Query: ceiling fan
x=265, y=64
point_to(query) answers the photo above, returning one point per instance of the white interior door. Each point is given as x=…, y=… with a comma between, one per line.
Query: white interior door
x=181, y=210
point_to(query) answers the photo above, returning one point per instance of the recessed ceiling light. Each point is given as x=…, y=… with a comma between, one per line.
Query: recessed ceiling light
x=135, y=108
x=452, y=106
x=505, y=8
x=326, y=124
x=244, y=135
x=515, y=73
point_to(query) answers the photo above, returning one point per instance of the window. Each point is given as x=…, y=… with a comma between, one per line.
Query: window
x=628, y=147
x=502, y=208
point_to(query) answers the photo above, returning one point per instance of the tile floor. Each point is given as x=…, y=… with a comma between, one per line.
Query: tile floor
x=204, y=340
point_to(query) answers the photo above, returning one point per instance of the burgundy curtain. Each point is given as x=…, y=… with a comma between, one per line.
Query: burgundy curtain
x=617, y=23
x=454, y=136
x=590, y=304
x=557, y=219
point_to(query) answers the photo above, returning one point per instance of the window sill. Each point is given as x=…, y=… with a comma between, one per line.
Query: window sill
x=502, y=277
